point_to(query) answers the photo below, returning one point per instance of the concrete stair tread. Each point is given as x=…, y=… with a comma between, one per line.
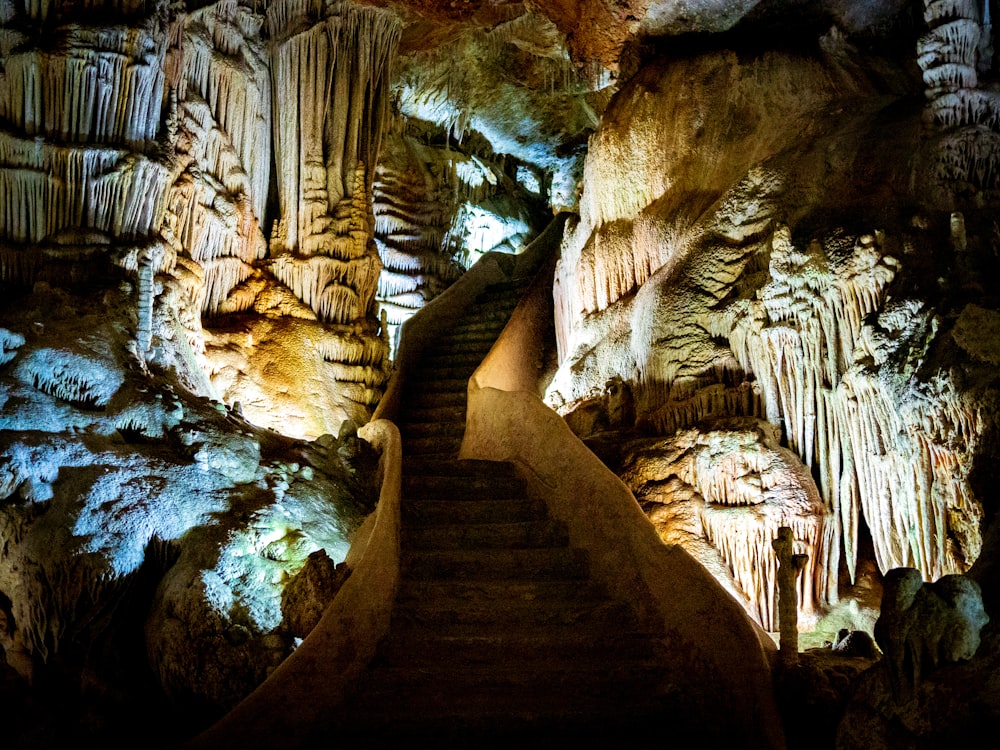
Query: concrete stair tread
x=471, y=511
x=499, y=590
x=534, y=533
x=448, y=385
x=567, y=673
x=463, y=643
x=460, y=467
x=436, y=399
x=445, y=358
x=515, y=614
x=447, y=445
x=433, y=414
x=427, y=429
x=481, y=488
x=533, y=690
x=480, y=343
x=546, y=563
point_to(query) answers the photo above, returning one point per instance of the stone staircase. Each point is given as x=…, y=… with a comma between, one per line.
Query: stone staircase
x=498, y=636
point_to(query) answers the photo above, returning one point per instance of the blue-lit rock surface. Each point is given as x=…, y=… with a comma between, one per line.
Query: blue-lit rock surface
x=122, y=490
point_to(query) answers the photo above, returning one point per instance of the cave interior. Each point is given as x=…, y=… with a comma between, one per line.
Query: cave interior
x=499, y=373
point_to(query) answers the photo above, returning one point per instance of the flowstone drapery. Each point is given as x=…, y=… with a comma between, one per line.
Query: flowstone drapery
x=135, y=171
x=439, y=207
x=718, y=271
x=722, y=491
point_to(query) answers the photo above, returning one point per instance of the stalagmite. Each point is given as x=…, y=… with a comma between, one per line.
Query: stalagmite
x=789, y=567
x=146, y=293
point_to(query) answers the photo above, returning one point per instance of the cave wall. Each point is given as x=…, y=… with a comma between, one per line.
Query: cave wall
x=156, y=322
x=774, y=301
x=796, y=239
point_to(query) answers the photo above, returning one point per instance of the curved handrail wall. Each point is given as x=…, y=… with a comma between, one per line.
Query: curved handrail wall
x=718, y=660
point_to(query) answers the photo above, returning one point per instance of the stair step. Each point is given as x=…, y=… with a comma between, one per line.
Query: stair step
x=431, y=429
x=640, y=728
x=474, y=348
x=546, y=563
x=521, y=534
x=603, y=615
x=439, y=384
x=568, y=677
x=435, y=399
x=437, y=374
x=467, y=645
x=497, y=312
x=476, y=343
x=439, y=414
x=564, y=690
x=502, y=294
x=437, y=445
x=567, y=591
x=482, y=327
x=428, y=512
x=444, y=358
x=461, y=467
x=497, y=487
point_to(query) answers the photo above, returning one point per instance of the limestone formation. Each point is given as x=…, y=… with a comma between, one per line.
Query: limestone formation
x=923, y=626
x=135, y=169
x=789, y=567
x=723, y=492
x=772, y=308
x=438, y=209
x=705, y=272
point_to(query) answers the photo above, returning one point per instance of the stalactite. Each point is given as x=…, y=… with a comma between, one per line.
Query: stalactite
x=210, y=211
x=806, y=340
x=338, y=291
x=746, y=488
x=45, y=189
x=338, y=68
x=223, y=63
x=40, y=10
x=99, y=85
x=949, y=55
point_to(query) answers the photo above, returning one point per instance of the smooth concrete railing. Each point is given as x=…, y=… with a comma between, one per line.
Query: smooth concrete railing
x=716, y=659
x=296, y=702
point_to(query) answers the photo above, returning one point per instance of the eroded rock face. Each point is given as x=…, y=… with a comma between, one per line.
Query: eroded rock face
x=924, y=626
x=951, y=706
x=121, y=492
x=721, y=492
x=751, y=243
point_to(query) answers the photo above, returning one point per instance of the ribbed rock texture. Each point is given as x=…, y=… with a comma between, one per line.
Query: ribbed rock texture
x=439, y=207
x=147, y=529
x=751, y=243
